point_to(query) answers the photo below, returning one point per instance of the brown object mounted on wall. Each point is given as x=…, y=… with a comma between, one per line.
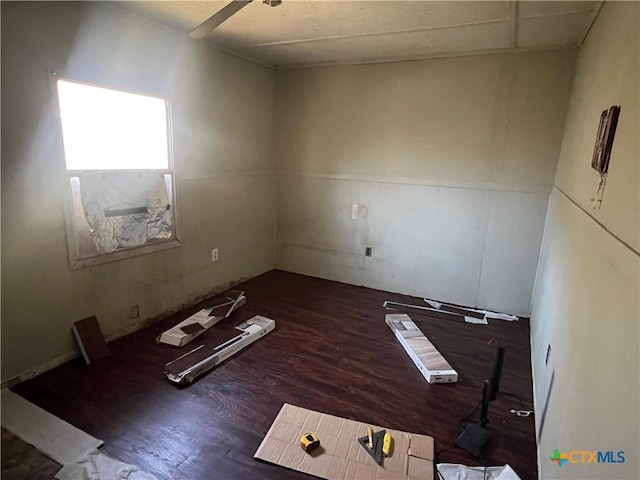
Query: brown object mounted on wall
x=602, y=150
x=604, y=139
x=90, y=339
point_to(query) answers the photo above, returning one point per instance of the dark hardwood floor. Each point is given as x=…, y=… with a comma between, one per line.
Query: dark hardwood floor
x=331, y=351
x=22, y=461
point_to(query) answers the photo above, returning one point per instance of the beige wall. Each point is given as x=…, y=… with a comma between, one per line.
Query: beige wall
x=222, y=109
x=586, y=300
x=451, y=162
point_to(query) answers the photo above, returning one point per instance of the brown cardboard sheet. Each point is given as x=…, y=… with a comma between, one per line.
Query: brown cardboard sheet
x=340, y=456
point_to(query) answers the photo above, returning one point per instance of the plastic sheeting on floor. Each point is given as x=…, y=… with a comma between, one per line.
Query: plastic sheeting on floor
x=63, y=442
x=454, y=471
x=54, y=437
x=96, y=466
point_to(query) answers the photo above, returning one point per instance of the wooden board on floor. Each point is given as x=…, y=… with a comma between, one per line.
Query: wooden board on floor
x=90, y=339
x=340, y=456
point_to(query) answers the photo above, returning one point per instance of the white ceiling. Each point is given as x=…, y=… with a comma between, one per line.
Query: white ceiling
x=302, y=33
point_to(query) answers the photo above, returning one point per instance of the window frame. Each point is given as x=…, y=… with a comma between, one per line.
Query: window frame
x=75, y=260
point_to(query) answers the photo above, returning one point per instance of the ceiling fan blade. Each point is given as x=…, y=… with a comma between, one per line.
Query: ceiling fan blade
x=209, y=25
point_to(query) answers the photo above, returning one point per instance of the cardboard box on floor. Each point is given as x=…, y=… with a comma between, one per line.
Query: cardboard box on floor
x=340, y=456
x=432, y=365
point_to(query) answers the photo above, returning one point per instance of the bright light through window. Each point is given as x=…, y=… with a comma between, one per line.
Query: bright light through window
x=107, y=129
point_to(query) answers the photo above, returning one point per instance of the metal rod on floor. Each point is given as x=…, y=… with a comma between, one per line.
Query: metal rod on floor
x=182, y=356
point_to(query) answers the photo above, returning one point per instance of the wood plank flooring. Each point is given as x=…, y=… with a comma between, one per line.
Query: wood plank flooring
x=331, y=351
x=22, y=461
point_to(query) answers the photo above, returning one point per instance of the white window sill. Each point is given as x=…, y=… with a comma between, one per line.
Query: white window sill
x=76, y=264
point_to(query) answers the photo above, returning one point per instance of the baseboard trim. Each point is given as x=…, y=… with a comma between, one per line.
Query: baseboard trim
x=140, y=324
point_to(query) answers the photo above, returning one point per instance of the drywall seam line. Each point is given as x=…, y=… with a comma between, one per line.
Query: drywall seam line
x=513, y=20
x=484, y=251
x=227, y=175
x=276, y=229
x=369, y=34
x=592, y=20
x=435, y=56
x=534, y=402
x=620, y=240
x=543, y=240
x=423, y=182
x=543, y=414
x=512, y=79
x=323, y=250
x=557, y=14
x=246, y=58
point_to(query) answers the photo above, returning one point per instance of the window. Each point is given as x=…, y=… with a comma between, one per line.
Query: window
x=118, y=171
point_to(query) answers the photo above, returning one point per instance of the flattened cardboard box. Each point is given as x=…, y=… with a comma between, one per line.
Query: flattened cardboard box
x=188, y=329
x=425, y=356
x=340, y=456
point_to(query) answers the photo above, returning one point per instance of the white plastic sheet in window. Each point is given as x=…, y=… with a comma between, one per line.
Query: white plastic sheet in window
x=126, y=209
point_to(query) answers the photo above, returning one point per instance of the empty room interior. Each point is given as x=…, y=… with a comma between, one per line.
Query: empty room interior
x=336, y=239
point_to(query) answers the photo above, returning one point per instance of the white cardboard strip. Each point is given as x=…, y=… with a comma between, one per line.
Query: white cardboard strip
x=54, y=437
x=477, y=321
x=486, y=313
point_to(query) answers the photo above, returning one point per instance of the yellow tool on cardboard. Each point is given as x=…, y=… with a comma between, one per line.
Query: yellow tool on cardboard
x=309, y=442
x=386, y=444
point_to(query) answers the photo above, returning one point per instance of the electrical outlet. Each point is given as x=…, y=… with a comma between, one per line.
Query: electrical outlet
x=134, y=312
x=367, y=252
x=214, y=255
